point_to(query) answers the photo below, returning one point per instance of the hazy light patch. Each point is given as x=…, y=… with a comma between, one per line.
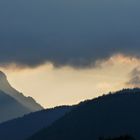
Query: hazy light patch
x=56, y=86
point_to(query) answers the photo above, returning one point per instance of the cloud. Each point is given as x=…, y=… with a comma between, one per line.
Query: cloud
x=134, y=77
x=75, y=33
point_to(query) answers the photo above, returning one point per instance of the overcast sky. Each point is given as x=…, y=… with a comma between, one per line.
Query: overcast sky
x=64, y=40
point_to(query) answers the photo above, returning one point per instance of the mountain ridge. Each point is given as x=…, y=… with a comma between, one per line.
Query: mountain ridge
x=24, y=127
x=110, y=115
x=28, y=102
x=10, y=108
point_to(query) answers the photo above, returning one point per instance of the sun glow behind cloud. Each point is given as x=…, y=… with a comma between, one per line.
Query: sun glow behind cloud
x=52, y=86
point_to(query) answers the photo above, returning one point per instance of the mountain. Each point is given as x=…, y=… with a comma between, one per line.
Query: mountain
x=28, y=102
x=111, y=115
x=22, y=128
x=10, y=108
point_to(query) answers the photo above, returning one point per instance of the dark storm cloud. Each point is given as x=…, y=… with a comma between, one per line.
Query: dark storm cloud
x=134, y=78
x=68, y=32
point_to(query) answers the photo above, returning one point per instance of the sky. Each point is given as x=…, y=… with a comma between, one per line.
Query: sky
x=52, y=86
x=65, y=51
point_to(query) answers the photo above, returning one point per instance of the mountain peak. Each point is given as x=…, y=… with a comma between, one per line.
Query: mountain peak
x=29, y=103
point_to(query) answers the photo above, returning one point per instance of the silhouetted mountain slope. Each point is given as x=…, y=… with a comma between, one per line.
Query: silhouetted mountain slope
x=111, y=115
x=22, y=128
x=28, y=102
x=10, y=108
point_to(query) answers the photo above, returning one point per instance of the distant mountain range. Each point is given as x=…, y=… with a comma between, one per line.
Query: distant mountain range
x=12, y=103
x=111, y=115
x=10, y=108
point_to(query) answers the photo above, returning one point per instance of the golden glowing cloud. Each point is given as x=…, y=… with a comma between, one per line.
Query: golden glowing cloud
x=56, y=86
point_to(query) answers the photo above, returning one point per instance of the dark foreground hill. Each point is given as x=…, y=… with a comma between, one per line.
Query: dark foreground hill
x=107, y=116
x=22, y=128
